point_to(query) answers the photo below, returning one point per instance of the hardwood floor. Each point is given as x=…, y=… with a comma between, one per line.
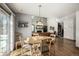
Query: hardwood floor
x=63, y=47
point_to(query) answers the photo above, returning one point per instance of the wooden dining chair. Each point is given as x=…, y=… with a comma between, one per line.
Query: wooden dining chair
x=25, y=45
x=45, y=46
x=36, y=50
x=52, y=44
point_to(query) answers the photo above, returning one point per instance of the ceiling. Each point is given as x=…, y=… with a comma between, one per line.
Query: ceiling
x=47, y=9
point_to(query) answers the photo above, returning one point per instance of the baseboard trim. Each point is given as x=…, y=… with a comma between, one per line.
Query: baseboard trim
x=69, y=39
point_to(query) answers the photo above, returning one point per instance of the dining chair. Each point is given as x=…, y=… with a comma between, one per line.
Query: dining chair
x=35, y=34
x=52, y=44
x=35, y=46
x=25, y=46
x=45, y=46
x=36, y=50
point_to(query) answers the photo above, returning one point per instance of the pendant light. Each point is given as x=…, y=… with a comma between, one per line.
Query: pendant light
x=39, y=22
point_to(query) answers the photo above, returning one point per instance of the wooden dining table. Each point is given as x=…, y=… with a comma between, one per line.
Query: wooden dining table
x=37, y=39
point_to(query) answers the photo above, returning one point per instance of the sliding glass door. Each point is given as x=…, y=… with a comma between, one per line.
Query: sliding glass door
x=4, y=33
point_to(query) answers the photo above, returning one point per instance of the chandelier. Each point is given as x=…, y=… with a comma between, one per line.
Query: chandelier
x=39, y=22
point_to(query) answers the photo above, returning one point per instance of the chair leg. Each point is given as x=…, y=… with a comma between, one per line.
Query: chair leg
x=49, y=49
x=31, y=51
x=21, y=51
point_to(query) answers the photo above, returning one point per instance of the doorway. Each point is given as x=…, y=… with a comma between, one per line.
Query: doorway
x=61, y=29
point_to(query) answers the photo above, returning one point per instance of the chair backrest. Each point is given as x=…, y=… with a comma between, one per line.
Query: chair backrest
x=21, y=40
x=35, y=34
x=26, y=40
x=52, y=35
x=44, y=42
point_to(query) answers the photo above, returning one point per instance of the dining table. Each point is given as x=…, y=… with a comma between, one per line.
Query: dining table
x=37, y=40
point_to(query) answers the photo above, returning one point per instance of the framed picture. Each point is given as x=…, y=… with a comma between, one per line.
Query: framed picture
x=51, y=28
x=22, y=24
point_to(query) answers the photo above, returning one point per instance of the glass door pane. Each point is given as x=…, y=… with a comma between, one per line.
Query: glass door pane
x=4, y=33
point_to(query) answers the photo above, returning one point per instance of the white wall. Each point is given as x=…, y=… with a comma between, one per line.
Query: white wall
x=52, y=22
x=77, y=29
x=69, y=26
x=27, y=31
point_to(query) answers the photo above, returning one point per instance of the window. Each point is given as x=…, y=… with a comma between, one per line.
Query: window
x=4, y=33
